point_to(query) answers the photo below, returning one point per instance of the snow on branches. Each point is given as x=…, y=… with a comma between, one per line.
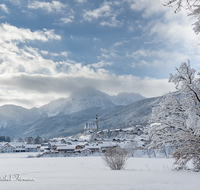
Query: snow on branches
x=176, y=120
x=193, y=6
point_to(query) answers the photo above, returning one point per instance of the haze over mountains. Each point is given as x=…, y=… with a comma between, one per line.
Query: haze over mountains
x=66, y=116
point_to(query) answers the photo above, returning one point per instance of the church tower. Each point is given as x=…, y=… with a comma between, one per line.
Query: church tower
x=96, y=122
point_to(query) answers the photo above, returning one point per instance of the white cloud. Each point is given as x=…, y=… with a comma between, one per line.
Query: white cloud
x=64, y=53
x=16, y=2
x=24, y=59
x=55, y=6
x=11, y=33
x=101, y=64
x=174, y=32
x=103, y=11
x=79, y=76
x=81, y=1
x=152, y=58
x=120, y=43
x=4, y=8
x=44, y=52
x=148, y=7
x=96, y=39
x=67, y=20
x=112, y=51
x=113, y=22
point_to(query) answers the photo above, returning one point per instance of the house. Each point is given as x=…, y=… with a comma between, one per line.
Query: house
x=32, y=148
x=19, y=146
x=6, y=147
x=93, y=148
x=65, y=149
x=80, y=147
x=85, y=151
x=106, y=145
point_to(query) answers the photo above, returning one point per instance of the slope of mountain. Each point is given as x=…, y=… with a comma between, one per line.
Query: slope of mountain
x=66, y=116
x=137, y=113
x=86, y=98
x=126, y=98
x=59, y=125
x=79, y=100
x=70, y=124
x=15, y=115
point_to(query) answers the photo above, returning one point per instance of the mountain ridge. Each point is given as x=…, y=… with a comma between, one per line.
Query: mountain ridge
x=62, y=116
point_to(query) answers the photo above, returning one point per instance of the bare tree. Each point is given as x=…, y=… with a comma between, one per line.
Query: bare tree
x=115, y=158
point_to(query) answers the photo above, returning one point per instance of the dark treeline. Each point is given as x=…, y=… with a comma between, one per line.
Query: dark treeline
x=4, y=139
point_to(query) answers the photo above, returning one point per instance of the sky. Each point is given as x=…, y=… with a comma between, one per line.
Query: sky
x=50, y=48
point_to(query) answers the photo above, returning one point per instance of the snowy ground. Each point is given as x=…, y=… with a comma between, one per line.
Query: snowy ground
x=89, y=173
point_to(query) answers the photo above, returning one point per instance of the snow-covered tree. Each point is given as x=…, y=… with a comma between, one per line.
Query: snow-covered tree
x=176, y=120
x=192, y=6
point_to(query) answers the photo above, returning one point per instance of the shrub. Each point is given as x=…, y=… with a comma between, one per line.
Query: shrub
x=115, y=158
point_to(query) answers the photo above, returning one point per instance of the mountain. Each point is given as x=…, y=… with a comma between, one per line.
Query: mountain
x=79, y=100
x=67, y=116
x=137, y=113
x=15, y=115
x=126, y=98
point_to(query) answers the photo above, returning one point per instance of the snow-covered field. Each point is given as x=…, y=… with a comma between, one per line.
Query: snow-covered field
x=90, y=173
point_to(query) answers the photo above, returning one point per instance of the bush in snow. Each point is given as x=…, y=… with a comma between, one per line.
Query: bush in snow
x=115, y=158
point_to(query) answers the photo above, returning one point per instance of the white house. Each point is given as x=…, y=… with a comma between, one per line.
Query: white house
x=6, y=147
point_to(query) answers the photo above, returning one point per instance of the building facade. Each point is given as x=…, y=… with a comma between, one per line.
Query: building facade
x=92, y=126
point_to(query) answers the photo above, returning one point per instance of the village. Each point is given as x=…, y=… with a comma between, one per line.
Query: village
x=89, y=143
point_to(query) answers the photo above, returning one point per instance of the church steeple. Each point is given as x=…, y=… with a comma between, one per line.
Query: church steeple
x=96, y=122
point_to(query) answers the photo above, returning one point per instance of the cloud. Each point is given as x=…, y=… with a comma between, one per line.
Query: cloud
x=96, y=39
x=20, y=58
x=112, y=51
x=26, y=73
x=120, y=43
x=1, y=17
x=174, y=32
x=55, y=6
x=67, y=20
x=113, y=22
x=16, y=2
x=101, y=64
x=80, y=76
x=148, y=7
x=152, y=58
x=81, y=1
x=4, y=8
x=12, y=33
x=103, y=11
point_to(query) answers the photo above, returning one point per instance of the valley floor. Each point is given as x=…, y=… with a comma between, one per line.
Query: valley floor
x=90, y=173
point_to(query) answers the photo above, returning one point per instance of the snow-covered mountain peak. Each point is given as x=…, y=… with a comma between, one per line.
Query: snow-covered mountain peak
x=126, y=98
x=85, y=98
x=88, y=92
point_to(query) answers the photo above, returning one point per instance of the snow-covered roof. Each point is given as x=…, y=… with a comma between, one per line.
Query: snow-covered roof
x=107, y=144
x=62, y=148
x=31, y=146
x=69, y=147
x=17, y=144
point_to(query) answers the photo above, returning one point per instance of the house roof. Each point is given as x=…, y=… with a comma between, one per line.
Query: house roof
x=69, y=147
